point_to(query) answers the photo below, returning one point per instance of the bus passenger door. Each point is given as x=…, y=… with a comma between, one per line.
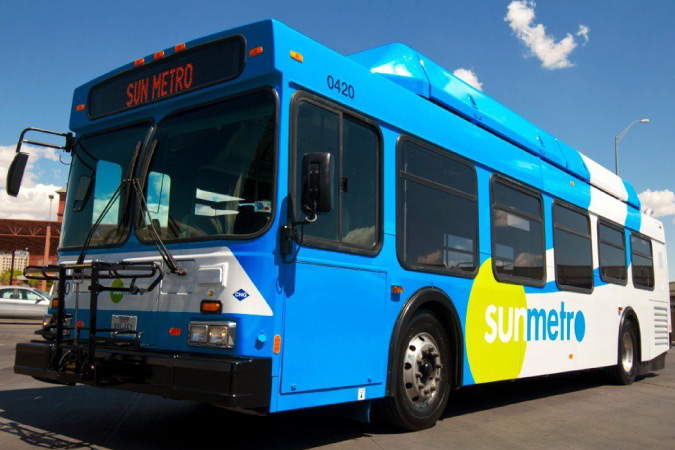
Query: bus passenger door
x=334, y=327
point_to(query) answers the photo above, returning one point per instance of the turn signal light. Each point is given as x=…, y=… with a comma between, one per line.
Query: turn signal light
x=277, y=344
x=55, y=303
x=175, y=332
x=211, y=307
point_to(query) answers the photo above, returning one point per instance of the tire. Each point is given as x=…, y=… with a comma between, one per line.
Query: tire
x=625, y=371
x=423, y=383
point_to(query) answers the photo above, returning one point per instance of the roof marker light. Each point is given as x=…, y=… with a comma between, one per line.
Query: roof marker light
x=159, y=54
x=255, y=51
x=179, y=47
x=297, y=56
x=139, y=62
x=79, y=108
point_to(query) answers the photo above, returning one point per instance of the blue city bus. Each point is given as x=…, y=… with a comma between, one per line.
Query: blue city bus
x=258, y=222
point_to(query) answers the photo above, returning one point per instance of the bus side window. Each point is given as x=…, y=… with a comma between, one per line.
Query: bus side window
x=517, y=234
x=642, y=262
x=612, y=252
x=433, y=183
x=573, y=252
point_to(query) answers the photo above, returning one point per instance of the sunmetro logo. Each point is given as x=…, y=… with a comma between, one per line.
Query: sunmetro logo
x=509, y=324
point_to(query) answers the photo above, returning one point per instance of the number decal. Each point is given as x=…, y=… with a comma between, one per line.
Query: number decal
x=341, y=87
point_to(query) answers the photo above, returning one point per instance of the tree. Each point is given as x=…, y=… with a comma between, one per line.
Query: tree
x=4, y=276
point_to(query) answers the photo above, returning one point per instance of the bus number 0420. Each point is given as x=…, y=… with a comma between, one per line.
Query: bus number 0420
x=343, y=88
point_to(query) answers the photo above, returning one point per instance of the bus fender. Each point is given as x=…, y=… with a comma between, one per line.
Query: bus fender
x=434, y=299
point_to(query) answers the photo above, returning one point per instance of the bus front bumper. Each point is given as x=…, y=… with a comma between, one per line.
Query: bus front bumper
x=231, y=382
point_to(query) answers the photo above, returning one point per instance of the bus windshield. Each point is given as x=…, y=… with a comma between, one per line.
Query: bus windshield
x=212, y=173
x=99, y=163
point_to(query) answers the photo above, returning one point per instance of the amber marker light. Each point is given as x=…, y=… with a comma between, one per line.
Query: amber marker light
x=297, y=56
x=255, y=51
x=55, y=303
x=139, y=62
x=211, y=307
x=175, y=332
x=159, y=54
x=396, y=289
x=79, y=108
x=179, y=47
x=277, y=344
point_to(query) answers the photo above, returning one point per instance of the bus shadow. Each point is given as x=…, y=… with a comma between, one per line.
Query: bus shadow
x=84, y=417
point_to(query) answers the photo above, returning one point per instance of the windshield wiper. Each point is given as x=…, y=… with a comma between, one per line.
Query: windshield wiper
x=166, y=255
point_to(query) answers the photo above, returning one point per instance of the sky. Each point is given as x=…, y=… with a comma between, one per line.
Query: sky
x=581, y=70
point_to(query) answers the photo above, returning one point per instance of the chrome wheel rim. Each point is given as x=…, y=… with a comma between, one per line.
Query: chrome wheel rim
x=421, y=369
x=627, y=353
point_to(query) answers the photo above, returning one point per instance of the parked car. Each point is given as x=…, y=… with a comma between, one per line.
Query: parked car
x=23, y=302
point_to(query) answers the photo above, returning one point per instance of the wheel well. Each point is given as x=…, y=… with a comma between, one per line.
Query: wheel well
x=437, y=302
x=629, y=313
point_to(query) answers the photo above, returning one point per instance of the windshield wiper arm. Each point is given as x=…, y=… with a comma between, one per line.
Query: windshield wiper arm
x=166, y=255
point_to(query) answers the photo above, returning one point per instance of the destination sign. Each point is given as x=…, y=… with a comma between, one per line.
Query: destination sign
x=175, y=74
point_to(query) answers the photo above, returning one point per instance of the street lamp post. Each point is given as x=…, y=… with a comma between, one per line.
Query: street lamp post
x=618, y=138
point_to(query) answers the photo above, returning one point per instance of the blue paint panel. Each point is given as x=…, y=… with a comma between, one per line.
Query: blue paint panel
x=633, y=219
x=633, y=199
x=330, y=338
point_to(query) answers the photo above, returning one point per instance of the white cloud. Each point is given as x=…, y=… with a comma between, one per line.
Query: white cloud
x=661, y=202
x=33, y=199
x=552, y=54
x=468, y=76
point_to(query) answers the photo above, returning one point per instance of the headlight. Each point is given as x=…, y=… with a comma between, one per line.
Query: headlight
x=212, y=334
x=46, y=320
x=198, y=333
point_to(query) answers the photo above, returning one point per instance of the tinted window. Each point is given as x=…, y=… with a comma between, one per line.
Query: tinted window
x=612, y=253
x=572, y=248
x=354, y=146
x=318, y=130
x=7, y=293
x=641, y=261
x=359, y=184
x=518, y=235
x=438, y=210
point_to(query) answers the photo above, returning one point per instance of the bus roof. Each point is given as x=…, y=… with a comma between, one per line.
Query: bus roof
x=410, y=69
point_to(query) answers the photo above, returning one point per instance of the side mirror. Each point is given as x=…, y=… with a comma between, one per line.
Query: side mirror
x=15, y=173
x=317, y=183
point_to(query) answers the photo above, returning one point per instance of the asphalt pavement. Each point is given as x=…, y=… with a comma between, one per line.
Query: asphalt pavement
x=563, y=411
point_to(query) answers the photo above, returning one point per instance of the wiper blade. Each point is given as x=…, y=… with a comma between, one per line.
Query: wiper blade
x=166, y=255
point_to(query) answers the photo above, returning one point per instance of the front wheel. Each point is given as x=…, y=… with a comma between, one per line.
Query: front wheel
x=626, y=369
x=423, y=382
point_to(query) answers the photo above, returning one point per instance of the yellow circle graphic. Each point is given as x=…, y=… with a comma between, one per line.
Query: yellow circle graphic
x=496, y=322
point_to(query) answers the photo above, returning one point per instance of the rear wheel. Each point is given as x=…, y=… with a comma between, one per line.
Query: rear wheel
x=423, y=382
x=626, y=369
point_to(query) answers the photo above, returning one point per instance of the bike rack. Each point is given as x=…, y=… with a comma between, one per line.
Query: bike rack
x=94, y=271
